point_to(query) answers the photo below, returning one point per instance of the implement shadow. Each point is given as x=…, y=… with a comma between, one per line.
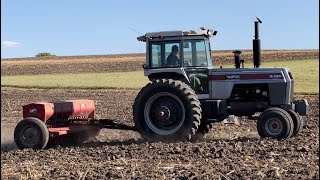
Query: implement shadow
x=9, y=145
x=143, y=141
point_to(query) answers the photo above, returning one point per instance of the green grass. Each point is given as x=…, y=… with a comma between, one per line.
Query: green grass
x=121, y=80
x=305, y=73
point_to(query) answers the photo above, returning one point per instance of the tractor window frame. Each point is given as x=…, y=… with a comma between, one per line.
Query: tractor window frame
x=206, y=49
x=162, y=52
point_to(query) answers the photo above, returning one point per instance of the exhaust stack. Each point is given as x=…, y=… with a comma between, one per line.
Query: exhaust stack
x=256, y=45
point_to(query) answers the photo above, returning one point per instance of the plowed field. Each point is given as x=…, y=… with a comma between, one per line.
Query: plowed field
x=229, y=151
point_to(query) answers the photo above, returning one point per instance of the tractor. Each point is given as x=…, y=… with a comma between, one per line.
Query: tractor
x=184, y=97
x=186, y=93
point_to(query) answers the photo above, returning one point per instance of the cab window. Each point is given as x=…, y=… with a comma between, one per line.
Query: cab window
x=195, y=53
x=165, y=54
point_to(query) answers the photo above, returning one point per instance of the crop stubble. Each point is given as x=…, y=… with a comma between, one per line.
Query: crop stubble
x=229, y=151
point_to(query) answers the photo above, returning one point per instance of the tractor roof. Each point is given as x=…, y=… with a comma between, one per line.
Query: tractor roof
x=202, y=32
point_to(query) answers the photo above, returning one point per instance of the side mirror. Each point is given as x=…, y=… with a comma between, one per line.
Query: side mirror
x=144, y=66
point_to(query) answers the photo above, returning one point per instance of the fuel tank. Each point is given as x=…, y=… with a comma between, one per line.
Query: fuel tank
x=69, y=109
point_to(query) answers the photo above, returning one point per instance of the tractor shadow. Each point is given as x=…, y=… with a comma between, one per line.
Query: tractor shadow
x=11, y=146
x=145, y=142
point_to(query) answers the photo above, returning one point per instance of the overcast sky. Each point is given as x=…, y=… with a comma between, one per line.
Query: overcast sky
x=78, y=27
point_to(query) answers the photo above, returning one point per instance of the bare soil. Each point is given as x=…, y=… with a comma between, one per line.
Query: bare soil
x=228, y=152
x=129, y=62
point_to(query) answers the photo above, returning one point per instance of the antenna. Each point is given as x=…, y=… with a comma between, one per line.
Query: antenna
x=138, y=32
x=135, y=31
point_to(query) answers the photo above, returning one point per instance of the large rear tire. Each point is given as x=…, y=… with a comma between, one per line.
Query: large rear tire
x=31, y=133
x=275, y=123
x=167, y=110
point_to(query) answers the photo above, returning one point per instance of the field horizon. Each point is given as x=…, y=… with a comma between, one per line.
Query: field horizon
x=218, y=52
x=130, y=62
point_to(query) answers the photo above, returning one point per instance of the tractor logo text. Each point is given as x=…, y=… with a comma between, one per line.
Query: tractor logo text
x=233, y=76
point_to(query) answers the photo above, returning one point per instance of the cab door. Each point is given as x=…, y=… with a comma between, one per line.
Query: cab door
x=195, y=61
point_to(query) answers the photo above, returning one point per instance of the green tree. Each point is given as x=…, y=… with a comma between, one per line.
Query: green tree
x=45, y=54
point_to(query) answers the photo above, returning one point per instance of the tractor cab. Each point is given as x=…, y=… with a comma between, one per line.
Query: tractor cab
x=183, y=55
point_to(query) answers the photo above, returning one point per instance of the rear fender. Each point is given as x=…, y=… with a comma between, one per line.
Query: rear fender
x=169, y=73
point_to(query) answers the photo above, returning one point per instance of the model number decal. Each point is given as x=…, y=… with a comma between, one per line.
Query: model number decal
x=275, y=76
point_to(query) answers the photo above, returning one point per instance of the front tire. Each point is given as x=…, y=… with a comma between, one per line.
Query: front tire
x=275, y=123
x=297, y=122
x=167, y=110
x=31, y=133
